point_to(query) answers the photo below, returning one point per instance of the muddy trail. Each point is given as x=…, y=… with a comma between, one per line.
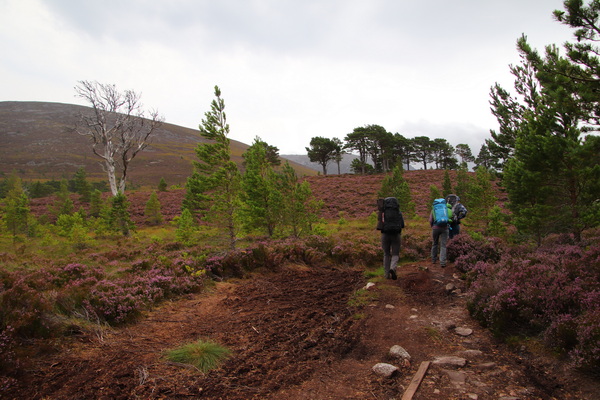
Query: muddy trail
x=300, y=333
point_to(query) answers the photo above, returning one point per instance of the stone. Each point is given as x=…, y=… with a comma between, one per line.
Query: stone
x=389, y=306
x=472, y=353
x=463, y=331
x=450, y=361
x=486, y=366
x=369, y=285
x=399, y=352
x=456, y=377
x=450, y=287
x=385, y=370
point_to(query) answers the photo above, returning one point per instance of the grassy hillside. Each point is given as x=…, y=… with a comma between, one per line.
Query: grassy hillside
x=37, y=141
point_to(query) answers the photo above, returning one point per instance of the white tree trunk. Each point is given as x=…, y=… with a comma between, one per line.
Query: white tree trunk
x=117, y=128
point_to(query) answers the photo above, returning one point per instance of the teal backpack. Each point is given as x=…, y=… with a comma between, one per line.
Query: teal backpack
x=440, y=212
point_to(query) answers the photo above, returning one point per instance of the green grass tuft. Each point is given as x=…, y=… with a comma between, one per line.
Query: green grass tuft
x=204, y=355
x=361, y=298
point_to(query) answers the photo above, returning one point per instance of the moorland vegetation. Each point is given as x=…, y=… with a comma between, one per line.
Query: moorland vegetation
x=530, y=251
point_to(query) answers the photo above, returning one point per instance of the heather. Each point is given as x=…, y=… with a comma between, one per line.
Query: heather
x=551, y=292
x=75, y=274
x=108, y=284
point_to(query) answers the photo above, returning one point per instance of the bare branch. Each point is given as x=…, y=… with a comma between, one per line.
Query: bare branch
x=116, y=127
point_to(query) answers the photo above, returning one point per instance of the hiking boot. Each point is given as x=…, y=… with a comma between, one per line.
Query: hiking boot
x=393, y=274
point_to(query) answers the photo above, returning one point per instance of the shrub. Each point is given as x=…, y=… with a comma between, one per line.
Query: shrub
x=76, y=272
x=415, y=247
x=25, y=309
x=466, y=251
x=8, y=360
x=553, y=291
x=122, y=300
x=356, y=252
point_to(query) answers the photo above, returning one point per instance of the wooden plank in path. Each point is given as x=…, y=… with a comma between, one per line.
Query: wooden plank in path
x=416, y=381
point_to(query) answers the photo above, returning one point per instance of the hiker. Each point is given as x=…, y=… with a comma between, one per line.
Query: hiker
x=390, y=222
x=439, y=222
x=459, y=211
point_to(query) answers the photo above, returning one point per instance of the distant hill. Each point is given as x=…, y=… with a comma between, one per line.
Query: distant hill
x=332, y=167
x=37, y=141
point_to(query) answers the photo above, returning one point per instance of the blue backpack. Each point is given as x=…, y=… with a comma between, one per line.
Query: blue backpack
x=440, y=212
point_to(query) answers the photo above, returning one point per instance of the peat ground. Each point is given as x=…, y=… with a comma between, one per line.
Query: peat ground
x=299, y=333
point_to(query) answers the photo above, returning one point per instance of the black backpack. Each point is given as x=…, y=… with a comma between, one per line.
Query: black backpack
x=459, y=211
x=390, y=218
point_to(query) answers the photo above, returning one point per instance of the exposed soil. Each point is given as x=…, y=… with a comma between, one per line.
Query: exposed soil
x=294, y=335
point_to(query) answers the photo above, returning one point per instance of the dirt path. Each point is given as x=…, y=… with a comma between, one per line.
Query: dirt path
x=294, y=336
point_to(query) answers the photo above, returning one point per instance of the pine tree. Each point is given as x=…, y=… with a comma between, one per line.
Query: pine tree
x=162, y=185
x=463, y=183
x=152, y=210
x=300, y=208
x=63, y=205
x=82, y=186
x=119, y=219
x=481, y=193
x=261, y=198
x=395, y=185
x=186, y=227
x=213, y=189
x=447, y=184
x=95, y=203
x=16, y=208
x=434, y=193
x=484, y=158
x=552, y=179
x=496, y=222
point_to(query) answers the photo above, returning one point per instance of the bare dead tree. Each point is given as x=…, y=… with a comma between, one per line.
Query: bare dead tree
x=117, y=128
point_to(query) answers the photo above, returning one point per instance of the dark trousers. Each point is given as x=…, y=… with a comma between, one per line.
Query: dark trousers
x=390, y=243
x=454, y=230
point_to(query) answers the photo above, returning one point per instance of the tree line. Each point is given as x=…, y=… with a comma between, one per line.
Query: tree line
x=546, y=150
x=379, y=151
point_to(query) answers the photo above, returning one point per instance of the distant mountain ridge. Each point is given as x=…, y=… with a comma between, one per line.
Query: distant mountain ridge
x=37, y=141
x=332, y=167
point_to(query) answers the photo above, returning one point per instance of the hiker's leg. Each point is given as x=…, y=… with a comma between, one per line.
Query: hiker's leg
x=387, y=257
x=435, y=235
x=455, y=229
x=395, y=251
x=443, y=241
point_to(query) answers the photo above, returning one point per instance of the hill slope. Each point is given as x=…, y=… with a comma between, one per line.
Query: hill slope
x=37, y=141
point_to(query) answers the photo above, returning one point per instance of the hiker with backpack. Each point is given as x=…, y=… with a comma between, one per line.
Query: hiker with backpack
x=439, y=220
x=459, y=211
x=390, y=222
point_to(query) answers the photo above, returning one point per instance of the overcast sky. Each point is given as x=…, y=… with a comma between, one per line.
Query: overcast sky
x=288, y=70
